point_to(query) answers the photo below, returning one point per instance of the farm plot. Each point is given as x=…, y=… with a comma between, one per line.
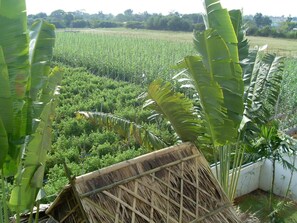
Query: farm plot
x=121, y=57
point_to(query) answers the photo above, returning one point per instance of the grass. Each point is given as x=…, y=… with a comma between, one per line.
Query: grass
x=257, y=202
x=283, y=47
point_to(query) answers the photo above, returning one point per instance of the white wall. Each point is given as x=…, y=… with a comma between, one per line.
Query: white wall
x=282, y=178
x=259, y=176
x=249, y=179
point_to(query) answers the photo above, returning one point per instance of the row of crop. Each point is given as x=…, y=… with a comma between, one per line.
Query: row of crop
x=129, y=58
x=287, y=105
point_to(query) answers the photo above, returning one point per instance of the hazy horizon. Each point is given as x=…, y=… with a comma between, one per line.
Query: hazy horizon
x=249, y=7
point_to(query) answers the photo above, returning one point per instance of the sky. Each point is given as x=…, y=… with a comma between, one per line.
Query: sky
x=250, y=7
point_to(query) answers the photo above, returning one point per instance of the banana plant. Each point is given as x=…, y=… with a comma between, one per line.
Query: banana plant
x=27, y=92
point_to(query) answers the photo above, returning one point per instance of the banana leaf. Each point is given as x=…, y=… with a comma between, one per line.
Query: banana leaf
x=42, y=40
x=263, y=77
x=30, y=179
x=243, y=45
x=218, y=82
x=219, y=19
x=14, y=62
x=3, y=144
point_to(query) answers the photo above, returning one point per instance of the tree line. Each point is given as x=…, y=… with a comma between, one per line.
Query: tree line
x=257, y=25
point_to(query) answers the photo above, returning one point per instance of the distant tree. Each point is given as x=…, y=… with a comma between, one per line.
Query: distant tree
x=68, y=18
x=176, y=23
x=57, y=18
x=143, y=16
x=134, y=25
x=104, y=24
x=120, y=17
x=128, y=12
x=58, y=14
x=261, y=20
x=79, y=23
x=289, y=18
x=156, y=21
x=194, y=18
x=40, y=15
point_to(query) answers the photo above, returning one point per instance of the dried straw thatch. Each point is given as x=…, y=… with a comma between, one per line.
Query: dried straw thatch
x=172, y=185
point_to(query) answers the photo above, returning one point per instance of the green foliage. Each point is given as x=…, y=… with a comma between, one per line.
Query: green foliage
x=287, y=104
x=262, y=79
x=176, y=108
x=134, y=25
x=126, y=55
x=261, y=20
x=258, y=202
x=85, y=145
x=216, y=75
x=125, y=128
x=27, y=92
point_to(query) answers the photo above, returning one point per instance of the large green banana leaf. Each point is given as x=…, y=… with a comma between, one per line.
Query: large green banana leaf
x=219, y=19
x=243, y=45
x=6, y=110
x=42, y=40
x=26, y=89
x=15, y=50
x=216, y=73
x=3, y=143
x=177, y=109
x=219, y=85
x=125, y=128
x=43, y=84
x=30, y=179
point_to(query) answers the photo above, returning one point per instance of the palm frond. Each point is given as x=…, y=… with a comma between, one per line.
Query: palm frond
x=125, y=128
x=177, y=109
x=263, y=77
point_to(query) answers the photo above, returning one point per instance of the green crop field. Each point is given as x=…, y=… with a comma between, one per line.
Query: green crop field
x=135, y=56
x=121, y=56
x=285, y=47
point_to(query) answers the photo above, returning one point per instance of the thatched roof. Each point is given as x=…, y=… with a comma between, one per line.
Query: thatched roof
x=173, y=185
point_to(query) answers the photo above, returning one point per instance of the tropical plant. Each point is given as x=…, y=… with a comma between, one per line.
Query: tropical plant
x=274, y=146
x=234, y=90
x=26, y=95
x=215, y=76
